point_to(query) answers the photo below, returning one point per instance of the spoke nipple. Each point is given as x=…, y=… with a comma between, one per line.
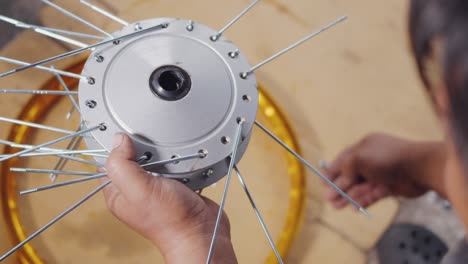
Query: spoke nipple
x=244, y=75
x=117, y=42
x=165, y=25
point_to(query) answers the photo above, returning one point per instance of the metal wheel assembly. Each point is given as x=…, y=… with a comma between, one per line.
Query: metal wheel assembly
x=184, y=93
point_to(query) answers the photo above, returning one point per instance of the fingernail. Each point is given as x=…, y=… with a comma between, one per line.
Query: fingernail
x=118, y=139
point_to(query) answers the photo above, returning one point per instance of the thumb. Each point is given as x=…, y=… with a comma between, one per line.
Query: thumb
x=133, y=182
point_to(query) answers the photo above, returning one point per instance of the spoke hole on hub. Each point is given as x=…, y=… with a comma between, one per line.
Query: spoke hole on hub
x=99, y=58
x=175, y=157
x=246, y=98
x=91, y=104
x=103, y=127
x=185, y=181
x=148, y=156
x=225, y=140
x=240, y=120
x=203, y=153
x=170, y=82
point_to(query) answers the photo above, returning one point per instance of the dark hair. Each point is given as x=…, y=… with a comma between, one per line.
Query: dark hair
x=445, y=21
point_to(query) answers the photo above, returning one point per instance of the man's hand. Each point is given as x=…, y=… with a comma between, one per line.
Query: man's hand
x=177, y=220
x=381, y=165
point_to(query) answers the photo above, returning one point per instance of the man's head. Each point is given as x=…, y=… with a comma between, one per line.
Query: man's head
x=439, y=39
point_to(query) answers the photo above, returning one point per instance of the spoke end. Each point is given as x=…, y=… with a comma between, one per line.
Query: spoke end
x=365, y=212
x=343, y=18
x=7, y=73
x=324, y=165
x=28, y=192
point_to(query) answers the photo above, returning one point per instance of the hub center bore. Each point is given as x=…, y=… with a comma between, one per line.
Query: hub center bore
x=170, y=83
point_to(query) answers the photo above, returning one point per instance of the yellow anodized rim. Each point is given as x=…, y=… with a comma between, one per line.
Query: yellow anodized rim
x=38, y=106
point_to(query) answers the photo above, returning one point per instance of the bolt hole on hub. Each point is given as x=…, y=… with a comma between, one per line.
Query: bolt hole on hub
x=185, y=94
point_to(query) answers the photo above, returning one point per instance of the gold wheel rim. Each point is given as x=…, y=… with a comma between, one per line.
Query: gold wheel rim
x=37, y=108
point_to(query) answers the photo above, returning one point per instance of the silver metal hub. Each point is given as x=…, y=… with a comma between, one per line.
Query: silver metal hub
x=176, y=92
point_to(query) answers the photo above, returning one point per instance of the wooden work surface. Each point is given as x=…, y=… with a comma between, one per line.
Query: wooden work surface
x=355, y=79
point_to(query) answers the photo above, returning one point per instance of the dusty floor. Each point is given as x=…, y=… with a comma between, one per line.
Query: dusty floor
x=360, y=85
x=433, y=213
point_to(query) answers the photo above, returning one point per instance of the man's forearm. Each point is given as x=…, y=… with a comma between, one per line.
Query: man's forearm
x=426, y=165
x=196, y=251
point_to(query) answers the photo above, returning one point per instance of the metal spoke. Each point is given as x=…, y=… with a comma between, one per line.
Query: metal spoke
x=226, y=189
x=25, y=146
x=60, y=37
x=220, y=33
x=56, y=153
x=67, y=183
x=43, y=31
x=47, y=69
x=55, y=220
x=172, y=160
x=35, y=125
x=56, y=172
x=105, y=13
x=73, y=145
x=104, y=174
x=70, y=14
x=37, y=92
x=67, y=32
x=65, y=87
x=70, y=113
x=78, y=51
x=295, y=45
x=73, y=158
x=26, y=151
x=314, y=170
x=259, y=216
x=55, y=30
